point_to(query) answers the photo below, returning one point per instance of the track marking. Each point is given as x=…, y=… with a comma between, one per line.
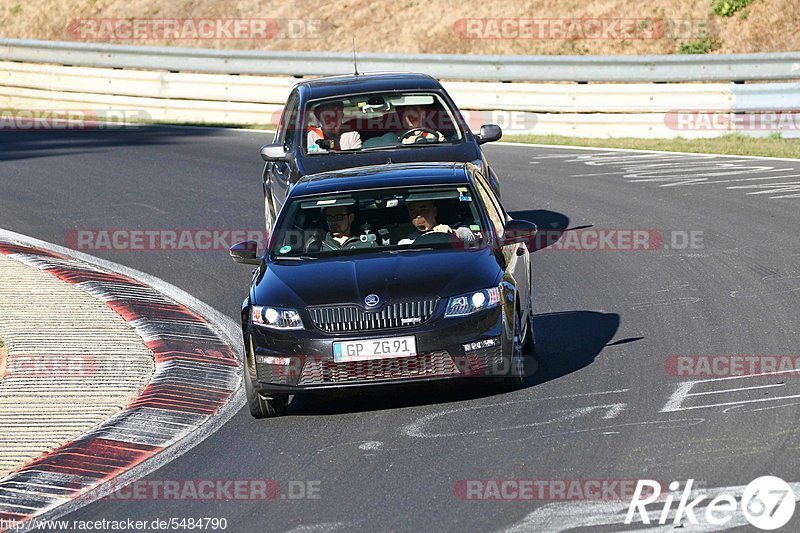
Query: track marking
x=638, y=151
x=610, y=410
x=227, y=328
x=683, y=392
x=674, y=169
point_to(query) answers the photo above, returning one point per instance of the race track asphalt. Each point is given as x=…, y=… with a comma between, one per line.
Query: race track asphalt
x=602, y=405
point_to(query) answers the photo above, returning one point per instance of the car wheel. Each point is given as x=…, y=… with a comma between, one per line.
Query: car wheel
x=269, y=209
x=261, y=407
x=529, y=343
x=516, y=373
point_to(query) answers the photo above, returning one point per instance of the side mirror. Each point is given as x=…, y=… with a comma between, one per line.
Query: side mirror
x=274, y=152
x=245, y=253
x=520, y=231
x=489, y=133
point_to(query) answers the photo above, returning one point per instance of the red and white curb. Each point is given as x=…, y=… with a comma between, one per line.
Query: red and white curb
x=194, y=390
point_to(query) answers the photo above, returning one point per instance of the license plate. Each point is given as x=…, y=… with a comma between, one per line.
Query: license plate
x=366, y=349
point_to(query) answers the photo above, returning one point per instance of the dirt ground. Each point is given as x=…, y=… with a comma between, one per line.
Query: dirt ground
x=518, y=27
x=3, y=355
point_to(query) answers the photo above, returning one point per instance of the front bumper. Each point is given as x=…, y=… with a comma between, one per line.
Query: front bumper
x=450, y=348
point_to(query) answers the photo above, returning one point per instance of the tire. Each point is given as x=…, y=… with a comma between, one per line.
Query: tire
x=269, y=206
x=516, y=372
x=529, y=343
x=261, y=407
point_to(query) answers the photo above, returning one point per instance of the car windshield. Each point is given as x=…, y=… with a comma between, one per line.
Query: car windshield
x=379, y=121
x=386, y=220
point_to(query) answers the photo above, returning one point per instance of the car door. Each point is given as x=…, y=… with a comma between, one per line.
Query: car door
x=278, y=175
x=517, y=260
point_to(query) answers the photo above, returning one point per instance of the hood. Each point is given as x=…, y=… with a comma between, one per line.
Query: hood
x=455, y=153
x=401, y=276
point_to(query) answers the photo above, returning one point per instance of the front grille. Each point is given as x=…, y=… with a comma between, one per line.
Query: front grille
x=317, y=372
x=348, y=318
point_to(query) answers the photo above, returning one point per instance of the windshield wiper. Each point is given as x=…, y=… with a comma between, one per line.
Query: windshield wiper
x=293, y=257
x=376, y=148
x=402, y=146
x=419, y=145
x=398, y=250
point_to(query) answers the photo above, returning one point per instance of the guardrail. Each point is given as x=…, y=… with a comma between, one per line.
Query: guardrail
x=656, y=68
x=196, y=86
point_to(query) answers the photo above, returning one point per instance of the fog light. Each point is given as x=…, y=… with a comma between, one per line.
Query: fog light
x=271, y=360
x=477, y=345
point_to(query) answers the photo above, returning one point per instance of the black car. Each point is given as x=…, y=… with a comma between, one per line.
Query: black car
x=355, y=290
x=368, y=119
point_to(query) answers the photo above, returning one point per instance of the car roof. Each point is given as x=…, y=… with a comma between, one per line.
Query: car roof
x=364, y=83
x=383, y=176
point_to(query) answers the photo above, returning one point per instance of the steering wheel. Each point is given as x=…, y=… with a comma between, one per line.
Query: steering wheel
x=409, y=133
x=436, y=237
x=314, y=240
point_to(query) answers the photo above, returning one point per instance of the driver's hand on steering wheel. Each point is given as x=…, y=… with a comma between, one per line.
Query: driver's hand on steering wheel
x=464, y=234
x=442, y=228
x=419, y=137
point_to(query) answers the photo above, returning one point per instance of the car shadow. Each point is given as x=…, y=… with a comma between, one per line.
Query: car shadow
x=33, y=143
x=569, y=341
x=565, y=342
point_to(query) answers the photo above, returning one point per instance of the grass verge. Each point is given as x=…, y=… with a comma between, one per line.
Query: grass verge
x=734, y=144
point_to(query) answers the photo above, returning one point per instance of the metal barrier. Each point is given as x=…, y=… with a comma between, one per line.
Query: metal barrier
x=179, y=85
x=659, y=68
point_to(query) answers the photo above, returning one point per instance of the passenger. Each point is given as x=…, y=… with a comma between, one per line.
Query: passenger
x=340, y=235
x=414, y=118
x=423, y=215
x=326, y=125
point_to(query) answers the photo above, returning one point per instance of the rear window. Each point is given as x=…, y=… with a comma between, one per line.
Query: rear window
x=379, y=121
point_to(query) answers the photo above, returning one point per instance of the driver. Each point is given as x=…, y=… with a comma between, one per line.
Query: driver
x=423, y=215
x=340, y=224
x=414, y=118
x=328, y=116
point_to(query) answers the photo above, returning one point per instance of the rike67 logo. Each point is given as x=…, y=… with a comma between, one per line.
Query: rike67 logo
x=767, y=503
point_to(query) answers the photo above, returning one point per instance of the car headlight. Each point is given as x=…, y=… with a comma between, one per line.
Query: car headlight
x=466, y=304
x=276, y=317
